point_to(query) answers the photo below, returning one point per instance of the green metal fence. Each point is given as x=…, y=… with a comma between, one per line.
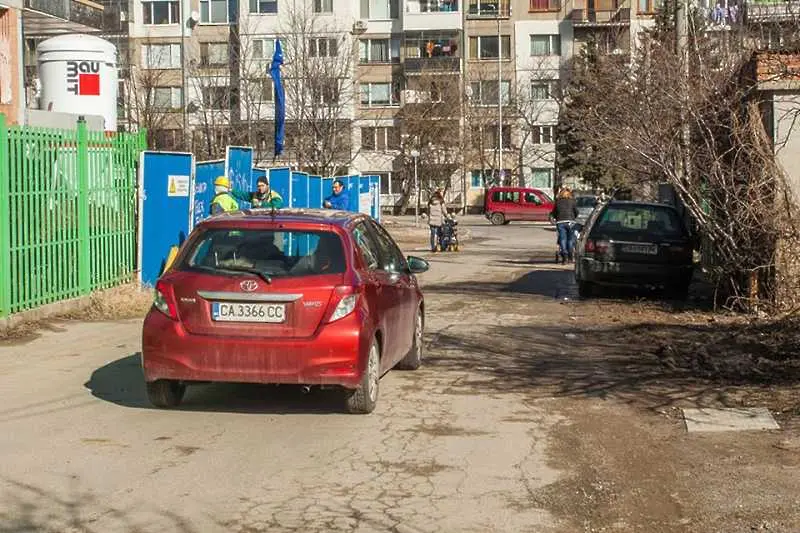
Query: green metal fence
x=67, y=213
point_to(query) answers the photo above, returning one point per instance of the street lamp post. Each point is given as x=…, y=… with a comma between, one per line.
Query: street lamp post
x=415, y=155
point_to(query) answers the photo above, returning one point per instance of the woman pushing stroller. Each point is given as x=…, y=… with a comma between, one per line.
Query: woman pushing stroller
x=564, y=214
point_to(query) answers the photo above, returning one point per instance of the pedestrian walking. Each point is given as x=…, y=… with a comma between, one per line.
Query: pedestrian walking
x=564, y=214
x=437, y=212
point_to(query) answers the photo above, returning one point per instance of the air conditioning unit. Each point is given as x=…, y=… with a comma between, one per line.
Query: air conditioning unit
x=360, y=26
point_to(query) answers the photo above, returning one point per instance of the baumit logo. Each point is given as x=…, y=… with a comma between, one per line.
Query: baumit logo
x=83, y=78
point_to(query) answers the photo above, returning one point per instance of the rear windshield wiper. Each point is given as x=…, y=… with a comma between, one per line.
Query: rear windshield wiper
x=234, y=268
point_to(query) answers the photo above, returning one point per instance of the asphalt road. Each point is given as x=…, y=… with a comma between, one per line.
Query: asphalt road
x=83, y=451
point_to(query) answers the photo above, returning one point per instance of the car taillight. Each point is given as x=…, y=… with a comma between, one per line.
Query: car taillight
x=343, y=302
x=596, y=247
x=164, y=300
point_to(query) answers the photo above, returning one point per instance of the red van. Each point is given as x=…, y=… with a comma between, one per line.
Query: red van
x=501, y=205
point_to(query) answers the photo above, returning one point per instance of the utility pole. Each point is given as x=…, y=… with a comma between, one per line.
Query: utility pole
x=682, y=49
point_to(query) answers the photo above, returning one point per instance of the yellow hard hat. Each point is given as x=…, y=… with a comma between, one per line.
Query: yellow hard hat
x=222, y=181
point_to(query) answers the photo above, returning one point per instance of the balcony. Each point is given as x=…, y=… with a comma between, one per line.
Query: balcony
x=589, y=13
x=54, y=17
x=421, y=15
x=432, y=65
x=771, y=11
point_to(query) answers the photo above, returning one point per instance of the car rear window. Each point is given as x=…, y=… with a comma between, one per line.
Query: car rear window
x=627, y=220
x=283, y=253
x=586, y=201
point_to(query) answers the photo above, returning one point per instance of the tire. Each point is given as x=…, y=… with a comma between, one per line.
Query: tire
x=363, y=400
x=585, y=289
x=413, y=358
x=165, y=393
x=679, y=291
x=498, y=219
x=506, y=223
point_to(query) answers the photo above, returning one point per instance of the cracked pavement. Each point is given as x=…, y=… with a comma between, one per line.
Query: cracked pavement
x=83, y=451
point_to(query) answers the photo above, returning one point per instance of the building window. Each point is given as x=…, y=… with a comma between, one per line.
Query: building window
x=263, y=49
x=650, y=6
x=216, y=97
x=214, y=54
x=263, y=7
x=325, y=91
x=543, y=134
x=485, y=92
x=166, y=98
x=541, y=178
x=489, y=137
x=544, y=89
x=161, y=12
x=431, y=44
x=544, y=5
x=478, y=179
x=380, y=94
x=486, y=47
x=322, y=47
x=432, y=6
x=262, y=89
x=380, y=9
x=387, y=187
x=161, y=56
x=167, y=139
x=218, y=11
x=379, y=139
x=323, y=6
x=379, y=50
x=545, y=45
x=487, y=9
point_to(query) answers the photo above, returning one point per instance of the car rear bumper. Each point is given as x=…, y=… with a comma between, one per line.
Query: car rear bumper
x=631, y=274
x=335, y=356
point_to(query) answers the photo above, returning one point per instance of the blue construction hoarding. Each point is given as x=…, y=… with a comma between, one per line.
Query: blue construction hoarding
x=165, y=207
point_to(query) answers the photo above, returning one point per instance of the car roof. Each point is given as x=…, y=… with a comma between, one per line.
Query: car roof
x=288, y=216
x=642, y=204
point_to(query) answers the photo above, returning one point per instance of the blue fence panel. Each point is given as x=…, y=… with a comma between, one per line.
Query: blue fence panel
x=280, y=182
x=299, y=189
x=315, y=192
x=164, y=209
x=257, y=173
x=364, y=196
x=205, y=174
x=327, y=188
x=375, y=191
x=239, y=168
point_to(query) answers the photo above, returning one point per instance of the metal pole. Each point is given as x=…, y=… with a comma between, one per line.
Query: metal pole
x=500, y=98
x=416, y=192
x=183, y=73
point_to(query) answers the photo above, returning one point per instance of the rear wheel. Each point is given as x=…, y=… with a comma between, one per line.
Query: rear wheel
x=165, y=393
x=413, y=359
x=678, y=291
x=585, y=289
x=364, y=399
x=498, y=219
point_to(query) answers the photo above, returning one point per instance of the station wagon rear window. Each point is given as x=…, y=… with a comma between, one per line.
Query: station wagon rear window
x=269, y=253
x=640, y=220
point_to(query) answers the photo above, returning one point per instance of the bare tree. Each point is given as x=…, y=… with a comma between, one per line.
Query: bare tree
x=630, y=123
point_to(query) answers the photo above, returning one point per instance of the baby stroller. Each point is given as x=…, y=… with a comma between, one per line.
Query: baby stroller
x=576, y=228
x=448, y=234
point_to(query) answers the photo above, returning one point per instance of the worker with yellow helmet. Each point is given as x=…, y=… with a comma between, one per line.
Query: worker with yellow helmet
x=223, y=199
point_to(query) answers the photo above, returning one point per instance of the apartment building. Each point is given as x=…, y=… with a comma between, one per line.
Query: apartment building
x=199, y=79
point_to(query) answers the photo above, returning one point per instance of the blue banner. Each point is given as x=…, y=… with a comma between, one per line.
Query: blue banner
x=165, y=184
x=280, y=97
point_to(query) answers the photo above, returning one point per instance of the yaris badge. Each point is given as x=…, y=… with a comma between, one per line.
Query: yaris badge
x=249, y=285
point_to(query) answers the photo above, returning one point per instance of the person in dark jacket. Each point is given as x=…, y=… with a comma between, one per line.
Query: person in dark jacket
x=262, y=197
x=564, y=214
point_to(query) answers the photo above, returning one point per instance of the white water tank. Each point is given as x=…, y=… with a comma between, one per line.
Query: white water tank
x=79, y=76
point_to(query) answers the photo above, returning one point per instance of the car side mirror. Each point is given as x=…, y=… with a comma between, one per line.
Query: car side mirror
x=417, y=265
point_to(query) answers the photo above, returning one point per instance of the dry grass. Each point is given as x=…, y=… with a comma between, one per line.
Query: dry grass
x=119, y=303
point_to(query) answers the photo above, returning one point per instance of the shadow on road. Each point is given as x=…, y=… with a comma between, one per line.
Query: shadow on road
x=122, y=382
x=657, y=365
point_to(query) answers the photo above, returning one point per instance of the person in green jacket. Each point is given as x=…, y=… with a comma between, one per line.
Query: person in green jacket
x=223, y=200
x=263, y=197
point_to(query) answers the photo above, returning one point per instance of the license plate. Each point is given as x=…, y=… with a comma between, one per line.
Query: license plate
x=246, y=312
x=644, y=249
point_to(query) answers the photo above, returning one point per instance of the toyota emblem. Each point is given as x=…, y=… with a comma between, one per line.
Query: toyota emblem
x=249, y=285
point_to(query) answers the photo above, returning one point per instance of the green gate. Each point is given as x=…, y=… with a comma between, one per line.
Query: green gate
x=67, y=213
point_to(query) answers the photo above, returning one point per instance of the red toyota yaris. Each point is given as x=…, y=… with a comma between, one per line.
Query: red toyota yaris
x=304, y=297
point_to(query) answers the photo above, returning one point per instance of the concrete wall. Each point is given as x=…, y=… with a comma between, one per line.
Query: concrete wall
x=786, y=131
x=11, y=79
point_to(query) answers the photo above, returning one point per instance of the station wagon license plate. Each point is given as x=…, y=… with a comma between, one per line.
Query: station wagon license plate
x=644, y=249
x=247, y=312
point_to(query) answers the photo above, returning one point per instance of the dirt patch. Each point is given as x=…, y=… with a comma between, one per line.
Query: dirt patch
x=445, y=430
x=413, y=469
